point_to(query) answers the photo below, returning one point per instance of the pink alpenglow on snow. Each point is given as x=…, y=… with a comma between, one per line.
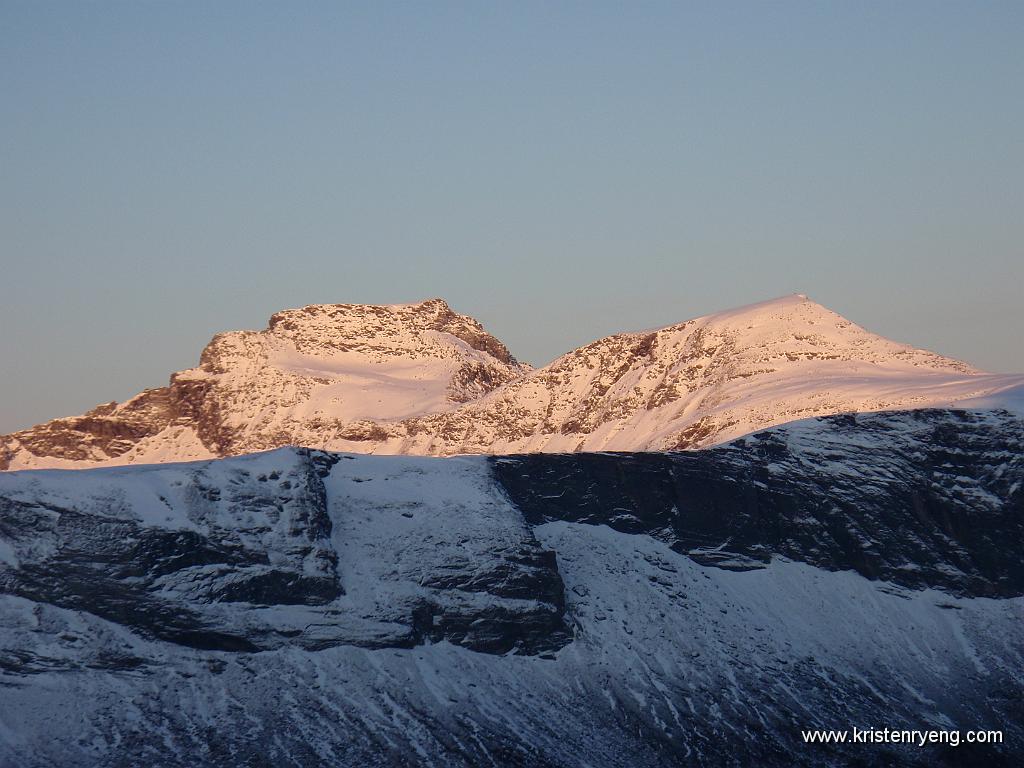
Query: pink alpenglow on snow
x=422, y=379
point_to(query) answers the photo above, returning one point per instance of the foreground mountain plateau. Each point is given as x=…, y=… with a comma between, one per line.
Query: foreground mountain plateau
x=421, y=379
x=301, y=607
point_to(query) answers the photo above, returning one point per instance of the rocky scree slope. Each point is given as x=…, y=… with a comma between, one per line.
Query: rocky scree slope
x=423, y=380
x=305, y=607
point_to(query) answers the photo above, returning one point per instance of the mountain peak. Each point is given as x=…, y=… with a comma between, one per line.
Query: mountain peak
x=427, y=306
x=418, y=328
x=420, y=378
x=788, y=307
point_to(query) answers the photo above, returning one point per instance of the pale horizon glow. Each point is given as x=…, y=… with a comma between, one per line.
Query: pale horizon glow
x=559, y=172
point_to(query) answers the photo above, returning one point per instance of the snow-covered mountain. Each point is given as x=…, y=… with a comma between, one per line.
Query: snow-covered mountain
x=303, y=380
x=299, y=607
x=421, y=379
x=699, y=383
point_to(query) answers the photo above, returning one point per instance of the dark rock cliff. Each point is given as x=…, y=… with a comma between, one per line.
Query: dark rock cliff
x=929, y=498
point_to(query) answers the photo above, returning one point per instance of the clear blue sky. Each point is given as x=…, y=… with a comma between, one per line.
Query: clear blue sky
x=558, y=170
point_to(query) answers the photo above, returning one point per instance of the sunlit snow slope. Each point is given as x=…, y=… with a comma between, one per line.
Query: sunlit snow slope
x=421, y=379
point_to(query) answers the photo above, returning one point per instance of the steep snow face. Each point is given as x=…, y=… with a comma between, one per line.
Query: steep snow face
x=244, y=555
x=299, y=607
x=433, y=547
x=168, y=550
x=420, y=379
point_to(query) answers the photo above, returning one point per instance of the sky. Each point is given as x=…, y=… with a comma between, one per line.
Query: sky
x=558, y=170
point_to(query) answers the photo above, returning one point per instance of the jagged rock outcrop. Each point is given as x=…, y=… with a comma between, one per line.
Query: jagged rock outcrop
x=420, y=379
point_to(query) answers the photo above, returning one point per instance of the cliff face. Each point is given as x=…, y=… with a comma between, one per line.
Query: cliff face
x=306, y=607
x=420, y=379
x=921, y=499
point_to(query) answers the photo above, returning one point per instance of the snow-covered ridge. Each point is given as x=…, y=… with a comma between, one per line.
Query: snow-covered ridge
x=702, y=382
x=421, y=379
x=703, y=607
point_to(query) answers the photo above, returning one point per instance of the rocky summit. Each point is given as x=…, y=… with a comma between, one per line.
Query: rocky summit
x=421, y=379
x=303, y=607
